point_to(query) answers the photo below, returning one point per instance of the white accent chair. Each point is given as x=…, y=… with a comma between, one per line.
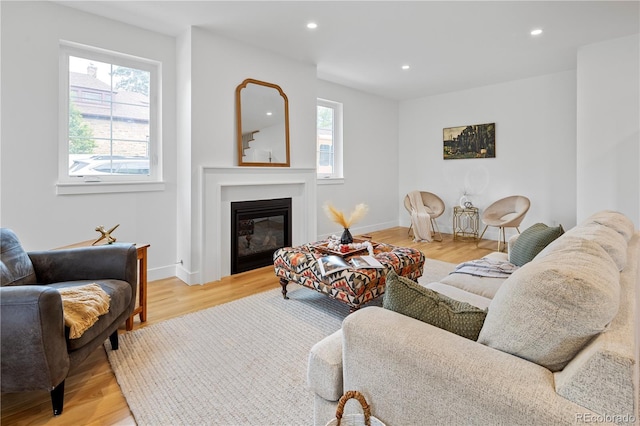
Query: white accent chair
x=505, y=213
x=435, y=208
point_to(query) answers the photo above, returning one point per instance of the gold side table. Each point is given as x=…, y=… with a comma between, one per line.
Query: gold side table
x=466, y=221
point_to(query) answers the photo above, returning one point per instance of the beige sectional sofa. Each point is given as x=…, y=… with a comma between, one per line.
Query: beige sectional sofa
x=558, y=345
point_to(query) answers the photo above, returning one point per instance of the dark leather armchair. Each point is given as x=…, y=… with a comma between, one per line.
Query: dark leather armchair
x=36, y=350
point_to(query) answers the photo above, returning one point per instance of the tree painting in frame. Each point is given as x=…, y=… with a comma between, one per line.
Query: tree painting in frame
x=473, y=141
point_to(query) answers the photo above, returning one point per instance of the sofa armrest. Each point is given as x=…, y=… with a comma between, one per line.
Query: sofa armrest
x=409, y=370
x=34, y=348
x=114, y=261
x=324, y=367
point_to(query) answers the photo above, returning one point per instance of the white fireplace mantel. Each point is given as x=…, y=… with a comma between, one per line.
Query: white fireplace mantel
x=223, y=185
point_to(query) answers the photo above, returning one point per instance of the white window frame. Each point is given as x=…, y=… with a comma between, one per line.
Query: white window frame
x=109, y=183
x=338, y=142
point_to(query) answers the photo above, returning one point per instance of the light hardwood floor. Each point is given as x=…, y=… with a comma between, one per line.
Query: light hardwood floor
x=92, y=395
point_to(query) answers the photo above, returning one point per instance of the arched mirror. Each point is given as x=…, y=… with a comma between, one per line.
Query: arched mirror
x=263, y=124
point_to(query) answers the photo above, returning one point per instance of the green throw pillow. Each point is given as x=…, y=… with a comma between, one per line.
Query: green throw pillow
x=407, y=297
x=532, y=241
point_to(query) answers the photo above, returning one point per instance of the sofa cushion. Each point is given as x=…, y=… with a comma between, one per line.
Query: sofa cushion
x=460, y=295
x=532, y=241
x=614, y=220
x=411, y=299
x=482, y=286
x=552, y=307
x=611, y=241
x=15, y=265
x=601, y=377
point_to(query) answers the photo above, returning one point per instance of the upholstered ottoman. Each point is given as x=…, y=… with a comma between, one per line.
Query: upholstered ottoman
x=354, y=287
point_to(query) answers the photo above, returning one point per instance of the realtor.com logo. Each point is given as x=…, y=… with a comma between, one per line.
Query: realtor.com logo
x=605, y=418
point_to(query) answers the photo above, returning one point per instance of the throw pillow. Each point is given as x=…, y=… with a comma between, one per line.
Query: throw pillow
x=548, y=310
x=407, y=297
x=532, y=241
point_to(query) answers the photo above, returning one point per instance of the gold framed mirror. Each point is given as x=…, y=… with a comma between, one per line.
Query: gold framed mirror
x=262, y=111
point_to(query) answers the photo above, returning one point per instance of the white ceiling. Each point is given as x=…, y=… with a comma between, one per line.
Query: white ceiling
x=450, y=45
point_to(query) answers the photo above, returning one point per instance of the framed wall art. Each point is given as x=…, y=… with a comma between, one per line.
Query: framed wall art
x=472, y=141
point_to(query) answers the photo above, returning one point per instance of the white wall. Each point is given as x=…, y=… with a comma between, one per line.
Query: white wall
x=30, y=46
x=535, y=148
x=608, y=165
x=371, y=160
x=217, y=66
x=184, y=214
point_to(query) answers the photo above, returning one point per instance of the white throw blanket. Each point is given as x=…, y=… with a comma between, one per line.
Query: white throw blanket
x=420, y=218
x=486, y=267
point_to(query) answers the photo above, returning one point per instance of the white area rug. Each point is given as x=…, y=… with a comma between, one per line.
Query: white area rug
x=241, y=363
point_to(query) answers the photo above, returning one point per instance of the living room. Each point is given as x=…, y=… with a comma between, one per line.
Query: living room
x=553, y=130
x=568, y=139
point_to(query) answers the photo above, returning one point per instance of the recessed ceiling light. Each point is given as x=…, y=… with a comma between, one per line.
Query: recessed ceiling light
x=405, y=67
x=269, y=113
x=312, y=25
x=536, y=32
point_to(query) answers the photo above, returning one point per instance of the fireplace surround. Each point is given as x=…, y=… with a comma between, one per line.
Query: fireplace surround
x=220, y=186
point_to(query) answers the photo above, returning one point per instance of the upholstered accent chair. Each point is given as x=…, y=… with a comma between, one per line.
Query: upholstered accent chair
x=37, y=352
x=435, y=208
x=505, y=213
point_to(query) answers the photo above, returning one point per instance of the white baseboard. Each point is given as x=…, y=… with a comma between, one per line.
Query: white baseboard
x=358, y=230
x=491, y=234
x=190, y=278
x=193, y=278
x=161, y=272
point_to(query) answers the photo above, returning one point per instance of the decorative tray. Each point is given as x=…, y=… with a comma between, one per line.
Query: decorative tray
x=323, y=247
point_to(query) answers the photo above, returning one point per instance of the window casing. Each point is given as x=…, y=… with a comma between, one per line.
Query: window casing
x=109, y=118
x=329, y=140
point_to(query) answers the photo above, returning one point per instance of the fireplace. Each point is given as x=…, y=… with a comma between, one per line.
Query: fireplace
x=258, y=228
x=222, y=186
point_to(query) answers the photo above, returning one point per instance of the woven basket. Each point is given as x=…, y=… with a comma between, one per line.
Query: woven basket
x=365, y=419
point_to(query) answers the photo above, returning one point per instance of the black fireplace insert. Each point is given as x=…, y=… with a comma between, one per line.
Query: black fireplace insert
x=258, y=229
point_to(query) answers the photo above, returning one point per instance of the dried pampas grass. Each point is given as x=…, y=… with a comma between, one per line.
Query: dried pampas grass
x=338, y=217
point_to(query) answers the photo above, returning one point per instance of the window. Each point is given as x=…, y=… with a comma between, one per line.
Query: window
x=109, y=127
x=329, y=140
x=85, y=96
